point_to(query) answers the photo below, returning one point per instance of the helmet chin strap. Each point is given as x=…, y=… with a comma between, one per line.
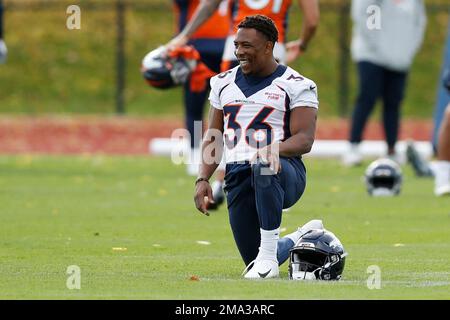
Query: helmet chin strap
x=309, y=275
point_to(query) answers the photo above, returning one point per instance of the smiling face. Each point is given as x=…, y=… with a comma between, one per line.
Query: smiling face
x=253, y=51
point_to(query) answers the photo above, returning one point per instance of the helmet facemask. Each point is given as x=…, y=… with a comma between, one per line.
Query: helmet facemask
x=313, y=264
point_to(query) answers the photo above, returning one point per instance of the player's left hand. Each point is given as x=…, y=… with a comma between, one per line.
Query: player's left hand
x=269, y=155
x=293, y=50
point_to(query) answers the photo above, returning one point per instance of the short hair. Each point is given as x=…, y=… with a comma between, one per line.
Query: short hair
x=263, y=24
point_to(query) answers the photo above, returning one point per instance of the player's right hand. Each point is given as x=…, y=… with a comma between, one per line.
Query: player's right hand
x=203, y=195
x=3, y=51
x=293, y=50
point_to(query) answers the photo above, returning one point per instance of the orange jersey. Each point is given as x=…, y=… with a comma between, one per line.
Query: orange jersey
x=277, y=10
x=216, y=27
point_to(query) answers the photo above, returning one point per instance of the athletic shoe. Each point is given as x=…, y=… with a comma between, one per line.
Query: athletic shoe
x=262, y=269
x=353, y=156
x=218, y=195
x=441, y=171
x=443, y=190
x=301, y=231
x=420, y=166
x=310, y=225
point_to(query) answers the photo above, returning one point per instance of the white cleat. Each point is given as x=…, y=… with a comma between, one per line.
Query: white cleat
x=307, y=227
x=352, y=157
x=442, y=190
x=310, y=225
x=262, y=269
x=441, y=171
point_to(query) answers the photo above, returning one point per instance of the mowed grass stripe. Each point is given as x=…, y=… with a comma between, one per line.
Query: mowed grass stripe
x=66, y=210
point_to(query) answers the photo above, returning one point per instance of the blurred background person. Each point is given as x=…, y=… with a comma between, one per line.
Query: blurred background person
x=443, y=96
x=421, y=166
x=441, y=167
x=3, y=49
x=209, y=41
x=386, y=37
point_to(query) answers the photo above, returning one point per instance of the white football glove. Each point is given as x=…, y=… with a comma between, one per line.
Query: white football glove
x=3, y=51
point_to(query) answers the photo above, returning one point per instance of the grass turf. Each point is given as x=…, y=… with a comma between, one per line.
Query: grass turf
x=62, y=211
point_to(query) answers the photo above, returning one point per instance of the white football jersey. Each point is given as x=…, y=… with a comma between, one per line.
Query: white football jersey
x=257, y=110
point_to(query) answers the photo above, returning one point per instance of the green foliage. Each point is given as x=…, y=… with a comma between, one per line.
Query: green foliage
x=53, y=70
x=62, y=211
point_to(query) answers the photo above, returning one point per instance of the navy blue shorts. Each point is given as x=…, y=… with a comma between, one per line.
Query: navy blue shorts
x=256, y=201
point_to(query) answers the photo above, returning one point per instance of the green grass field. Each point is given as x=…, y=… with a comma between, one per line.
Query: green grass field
x=62, y=211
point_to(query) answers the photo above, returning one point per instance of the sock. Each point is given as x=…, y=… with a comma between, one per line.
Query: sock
x=269, y=243
x=441, y=171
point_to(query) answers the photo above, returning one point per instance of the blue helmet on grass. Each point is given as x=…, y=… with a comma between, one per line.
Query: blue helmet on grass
x=317, y=255
x=383, y=178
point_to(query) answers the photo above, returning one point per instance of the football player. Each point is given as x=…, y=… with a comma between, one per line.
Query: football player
x=209, y=41
x=277, y=10
x=3, y=49
x=263, y=114
x=441, y=167
x=443, y=94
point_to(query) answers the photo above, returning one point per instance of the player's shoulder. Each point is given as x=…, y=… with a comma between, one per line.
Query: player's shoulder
x=293, y=79
x=224, y=78
x=294, y=83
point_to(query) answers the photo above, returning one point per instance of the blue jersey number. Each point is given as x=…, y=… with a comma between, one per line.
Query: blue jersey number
x=258, y=133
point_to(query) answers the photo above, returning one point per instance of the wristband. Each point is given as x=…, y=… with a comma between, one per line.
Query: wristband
x=201, y=179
